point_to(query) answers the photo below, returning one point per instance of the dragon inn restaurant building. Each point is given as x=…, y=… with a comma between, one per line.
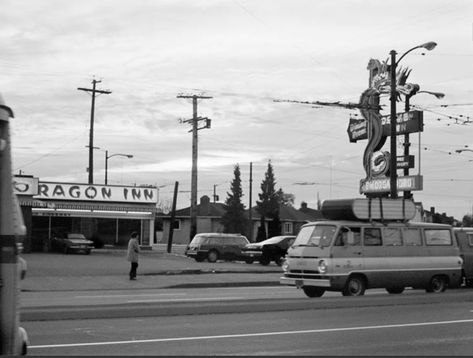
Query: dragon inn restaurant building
x=104, y=213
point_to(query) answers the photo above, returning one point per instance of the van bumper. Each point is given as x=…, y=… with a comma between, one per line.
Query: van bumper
x=300, y=282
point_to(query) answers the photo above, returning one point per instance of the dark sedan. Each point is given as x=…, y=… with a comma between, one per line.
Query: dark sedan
x=72, y=242
x=272, y=249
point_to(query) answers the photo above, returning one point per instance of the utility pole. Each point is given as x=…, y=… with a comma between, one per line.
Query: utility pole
x=250, y=217
x=194, y=121
x=91, y=135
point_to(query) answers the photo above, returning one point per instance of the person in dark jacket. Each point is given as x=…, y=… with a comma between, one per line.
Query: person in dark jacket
x=133, y=253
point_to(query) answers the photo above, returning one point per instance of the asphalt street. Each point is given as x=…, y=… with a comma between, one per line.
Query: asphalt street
x=107, y=269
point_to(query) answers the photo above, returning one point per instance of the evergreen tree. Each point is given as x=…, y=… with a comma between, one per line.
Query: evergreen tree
x=234, y=220
x=268, y=206
x=285, y=199
x=467, y=221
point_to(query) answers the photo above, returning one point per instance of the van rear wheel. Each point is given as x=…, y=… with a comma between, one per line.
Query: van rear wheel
x=313, y=291
x=212, y=256
x=437, y=284
x=355, y=286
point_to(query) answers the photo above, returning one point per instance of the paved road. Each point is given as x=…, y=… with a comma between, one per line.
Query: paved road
x=378, y=325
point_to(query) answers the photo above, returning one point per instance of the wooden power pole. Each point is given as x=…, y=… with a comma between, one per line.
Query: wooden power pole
x=91, y=135
x=194, y=121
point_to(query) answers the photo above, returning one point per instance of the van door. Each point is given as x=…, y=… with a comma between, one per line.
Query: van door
x=376, y=264
x=347, y=252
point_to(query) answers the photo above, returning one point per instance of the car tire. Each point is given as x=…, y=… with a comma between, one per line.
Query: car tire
x=249, y=261
x=355, y=286
x=311, y=291
x=437, y=284
x=212, y=256
x=264, y=261
x=395, y=290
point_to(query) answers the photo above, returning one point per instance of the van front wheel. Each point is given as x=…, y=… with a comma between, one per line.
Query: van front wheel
x=313, y=291
x=212, y=256
x=437, y=284
x=355, y=286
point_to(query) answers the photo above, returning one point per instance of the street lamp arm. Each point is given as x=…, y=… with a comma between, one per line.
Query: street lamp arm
x=107, y=157
x=428, y=46
x=438, y=95
x=120, y=154
x=463, y=150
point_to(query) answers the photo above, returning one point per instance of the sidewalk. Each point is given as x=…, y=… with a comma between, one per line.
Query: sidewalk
x=107, y=269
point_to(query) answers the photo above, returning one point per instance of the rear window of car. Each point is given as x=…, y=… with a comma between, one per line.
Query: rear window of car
x=241, y=241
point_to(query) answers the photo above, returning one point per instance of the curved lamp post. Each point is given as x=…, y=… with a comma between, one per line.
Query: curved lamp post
x=393, y=162
x=464, y=150
x=107, y=157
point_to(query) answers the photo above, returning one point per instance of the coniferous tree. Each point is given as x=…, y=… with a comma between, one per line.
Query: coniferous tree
x=467, y=220
x=268, y=206
x=234, y=220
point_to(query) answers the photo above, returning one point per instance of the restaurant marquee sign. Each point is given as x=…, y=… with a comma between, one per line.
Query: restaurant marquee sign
x=383, y=185
x=407, y=122
x=91, y=192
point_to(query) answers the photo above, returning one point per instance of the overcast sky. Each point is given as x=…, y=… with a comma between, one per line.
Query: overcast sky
x=244, y=54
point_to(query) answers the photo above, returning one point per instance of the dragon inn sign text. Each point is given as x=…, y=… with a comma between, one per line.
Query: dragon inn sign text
x=85, y=192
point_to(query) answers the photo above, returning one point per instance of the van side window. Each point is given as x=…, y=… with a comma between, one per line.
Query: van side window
x=392, y=237
x=438, y=237
x=372, y=237
x=343, y=238
x=412, y=237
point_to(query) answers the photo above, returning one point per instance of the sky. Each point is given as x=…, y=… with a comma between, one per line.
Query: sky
x=245, y=55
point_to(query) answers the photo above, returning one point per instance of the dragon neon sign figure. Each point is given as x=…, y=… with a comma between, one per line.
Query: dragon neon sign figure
x=375, y=161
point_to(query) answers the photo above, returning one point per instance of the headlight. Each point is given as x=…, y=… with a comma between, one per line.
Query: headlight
x=322, y=266
x=285, y=265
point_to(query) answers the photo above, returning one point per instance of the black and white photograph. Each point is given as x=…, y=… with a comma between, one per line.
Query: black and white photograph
x=236, y=178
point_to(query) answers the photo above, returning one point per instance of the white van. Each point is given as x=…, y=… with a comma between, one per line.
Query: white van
x=352, y=256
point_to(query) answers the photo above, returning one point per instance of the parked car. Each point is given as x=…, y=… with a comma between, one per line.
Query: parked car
x=71, y=242
x=272, y=249
x=215, y=246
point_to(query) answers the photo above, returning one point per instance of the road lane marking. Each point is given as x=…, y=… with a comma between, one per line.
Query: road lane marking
x=187, y=299
x=134, y=295
x=178, y=339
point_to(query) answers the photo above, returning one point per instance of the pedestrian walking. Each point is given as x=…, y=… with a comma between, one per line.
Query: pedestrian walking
x=133, y=253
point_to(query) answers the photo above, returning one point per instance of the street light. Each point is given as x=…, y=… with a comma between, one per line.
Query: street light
x=107, y=157
x=464, y=150
x=393, y=162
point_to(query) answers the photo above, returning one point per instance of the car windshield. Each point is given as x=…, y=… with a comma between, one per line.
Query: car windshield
x=197, y=240
x=76, y=236
x=315, y=235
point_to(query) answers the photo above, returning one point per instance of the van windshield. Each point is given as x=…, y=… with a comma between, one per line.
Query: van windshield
x=315, y=235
